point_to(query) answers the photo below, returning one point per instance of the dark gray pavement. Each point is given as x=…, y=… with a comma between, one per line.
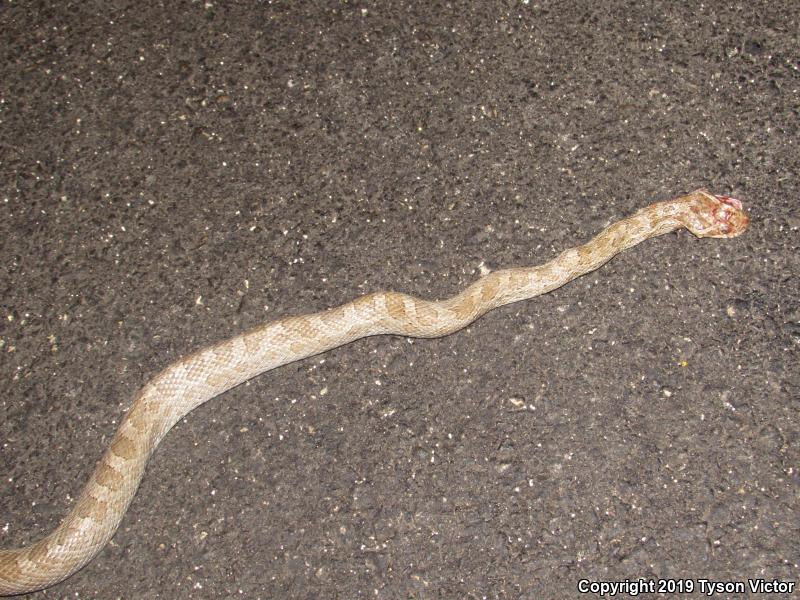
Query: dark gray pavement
x=172, y=176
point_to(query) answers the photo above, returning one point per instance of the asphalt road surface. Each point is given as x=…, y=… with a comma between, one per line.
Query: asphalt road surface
x=174, y=175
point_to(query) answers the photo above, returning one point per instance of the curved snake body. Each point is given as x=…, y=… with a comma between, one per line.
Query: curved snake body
x=195, y=379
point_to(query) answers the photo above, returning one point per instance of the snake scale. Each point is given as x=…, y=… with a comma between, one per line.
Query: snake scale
x=195, y=379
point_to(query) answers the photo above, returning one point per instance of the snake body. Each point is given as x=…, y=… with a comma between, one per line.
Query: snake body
x=195, y=379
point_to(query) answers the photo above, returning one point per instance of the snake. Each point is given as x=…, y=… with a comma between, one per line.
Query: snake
x=194, y=379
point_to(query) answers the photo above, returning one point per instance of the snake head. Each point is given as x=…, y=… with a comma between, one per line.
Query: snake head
x=714, y=216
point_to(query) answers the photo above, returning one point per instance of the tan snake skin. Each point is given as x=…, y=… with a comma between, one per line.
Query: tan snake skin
x=191, y=381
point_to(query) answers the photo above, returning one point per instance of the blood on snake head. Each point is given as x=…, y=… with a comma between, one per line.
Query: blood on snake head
x=715, y=216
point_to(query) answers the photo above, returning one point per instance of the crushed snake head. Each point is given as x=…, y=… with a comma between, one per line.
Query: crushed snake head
x=715, y=216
